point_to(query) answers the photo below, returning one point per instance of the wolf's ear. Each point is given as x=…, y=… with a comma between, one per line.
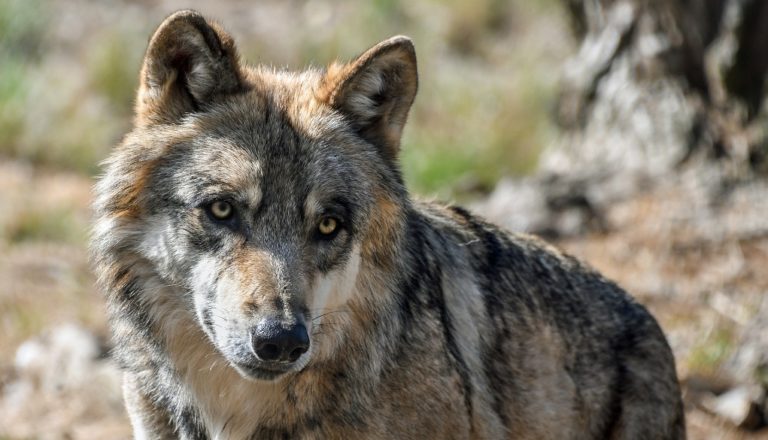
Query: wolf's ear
x=375, y=91
x=189, y=63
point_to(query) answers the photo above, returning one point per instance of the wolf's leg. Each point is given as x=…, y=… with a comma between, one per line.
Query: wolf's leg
x=149, y=421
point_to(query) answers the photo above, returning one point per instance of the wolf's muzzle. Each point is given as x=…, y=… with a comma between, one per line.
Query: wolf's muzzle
x=272, y=341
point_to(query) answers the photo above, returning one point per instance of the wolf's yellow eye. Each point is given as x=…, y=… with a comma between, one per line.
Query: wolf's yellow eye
x=327, y=225
x=221, y=210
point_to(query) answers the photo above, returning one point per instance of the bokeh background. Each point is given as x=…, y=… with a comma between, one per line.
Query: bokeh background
x=632, y=133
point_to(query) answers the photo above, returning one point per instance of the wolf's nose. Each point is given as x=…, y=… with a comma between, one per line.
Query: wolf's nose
x=275, y=343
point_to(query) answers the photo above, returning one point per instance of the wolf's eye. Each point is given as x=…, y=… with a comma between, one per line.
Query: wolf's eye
x=327, y=227
x=221, y=210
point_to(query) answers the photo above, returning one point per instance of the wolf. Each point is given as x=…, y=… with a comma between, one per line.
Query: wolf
x=268, y=276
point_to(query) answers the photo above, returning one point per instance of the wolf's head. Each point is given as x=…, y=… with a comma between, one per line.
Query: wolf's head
x=259, y=194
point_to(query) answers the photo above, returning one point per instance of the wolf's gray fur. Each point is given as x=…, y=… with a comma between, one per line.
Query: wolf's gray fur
x=248, y=195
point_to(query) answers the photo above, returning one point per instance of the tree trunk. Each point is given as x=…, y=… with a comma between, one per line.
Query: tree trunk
x=657, y=88
x=657, y=83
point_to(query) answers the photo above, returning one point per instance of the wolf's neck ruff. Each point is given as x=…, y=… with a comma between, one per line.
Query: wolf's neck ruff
x=199, y=377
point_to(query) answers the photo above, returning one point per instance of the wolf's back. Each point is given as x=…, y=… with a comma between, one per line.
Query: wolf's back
x=556, y=336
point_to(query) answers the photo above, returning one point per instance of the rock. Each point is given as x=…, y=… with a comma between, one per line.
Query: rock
x=741, y=406
x=62, y=359
x=547, y=205
x=61, y=380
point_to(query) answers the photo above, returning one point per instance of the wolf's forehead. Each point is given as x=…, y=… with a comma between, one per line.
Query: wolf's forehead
x=251, y=171
x=232, y=162
x=218, y=165
x=253, y=144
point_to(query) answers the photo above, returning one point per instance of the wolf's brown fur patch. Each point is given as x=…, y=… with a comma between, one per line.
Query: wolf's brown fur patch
x=379, y=242
x=127, y=205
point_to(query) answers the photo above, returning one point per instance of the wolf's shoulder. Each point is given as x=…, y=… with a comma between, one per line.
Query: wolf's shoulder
x=464, y=228
x=518, y=266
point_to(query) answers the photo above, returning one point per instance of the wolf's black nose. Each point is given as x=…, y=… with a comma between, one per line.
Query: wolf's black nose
x=275, y=343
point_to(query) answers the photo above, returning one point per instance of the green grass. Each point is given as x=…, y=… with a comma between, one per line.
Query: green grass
x=13, y=89
x=462, y=129
x=56, y=225
x=114, y=67
x=709, y=354
x=761, y=374
x=22, y=25
x=21, y=319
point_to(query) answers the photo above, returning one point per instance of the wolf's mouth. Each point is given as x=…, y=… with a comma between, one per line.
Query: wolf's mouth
x=254, y=371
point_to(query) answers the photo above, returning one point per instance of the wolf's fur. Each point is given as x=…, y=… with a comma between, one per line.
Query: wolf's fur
x=424, y=321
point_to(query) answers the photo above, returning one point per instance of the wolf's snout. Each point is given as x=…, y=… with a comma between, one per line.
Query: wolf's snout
x=272, y=342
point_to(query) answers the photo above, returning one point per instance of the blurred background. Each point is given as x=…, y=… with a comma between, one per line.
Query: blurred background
x=632, y=133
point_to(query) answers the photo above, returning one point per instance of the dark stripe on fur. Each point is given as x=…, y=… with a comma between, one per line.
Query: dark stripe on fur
x=493, y=356
x=190, y=426
x=128, y=298
x=457, y=360
x=269, y=433
x=208, y=321
x=614, y=408
x=622, y=345
x=426, y=277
